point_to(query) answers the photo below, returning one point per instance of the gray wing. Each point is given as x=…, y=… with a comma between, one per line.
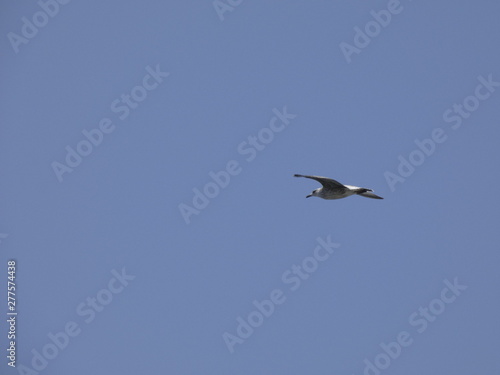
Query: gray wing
x=368, y=194
x=328, y=183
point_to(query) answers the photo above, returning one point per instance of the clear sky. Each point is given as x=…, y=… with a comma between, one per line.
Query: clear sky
x=148, y=198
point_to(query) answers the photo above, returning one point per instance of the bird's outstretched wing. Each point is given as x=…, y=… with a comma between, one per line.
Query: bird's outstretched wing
x=368, y=194
x=328, y=183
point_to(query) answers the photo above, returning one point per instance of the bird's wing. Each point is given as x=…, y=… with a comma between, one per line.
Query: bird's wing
x=326, y=182
x=368, y=194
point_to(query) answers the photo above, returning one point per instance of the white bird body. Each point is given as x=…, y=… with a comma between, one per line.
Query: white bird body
x=322, y=193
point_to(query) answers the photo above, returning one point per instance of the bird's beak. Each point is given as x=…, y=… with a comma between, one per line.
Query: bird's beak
x=310, y=195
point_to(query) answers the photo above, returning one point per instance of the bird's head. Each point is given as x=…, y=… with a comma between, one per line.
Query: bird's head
x=313, y=194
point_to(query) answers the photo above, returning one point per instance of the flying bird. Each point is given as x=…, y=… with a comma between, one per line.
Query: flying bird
x=335, y=190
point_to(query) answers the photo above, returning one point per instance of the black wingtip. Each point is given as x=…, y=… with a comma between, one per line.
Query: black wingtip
x=297, y=175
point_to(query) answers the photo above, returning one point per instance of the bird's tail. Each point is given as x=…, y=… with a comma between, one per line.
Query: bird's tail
x=363, y=190
x=367, y=193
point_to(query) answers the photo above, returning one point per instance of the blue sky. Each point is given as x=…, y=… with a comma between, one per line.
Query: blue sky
x=115, y=114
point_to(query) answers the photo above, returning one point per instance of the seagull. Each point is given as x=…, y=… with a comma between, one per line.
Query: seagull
x=335, y=190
